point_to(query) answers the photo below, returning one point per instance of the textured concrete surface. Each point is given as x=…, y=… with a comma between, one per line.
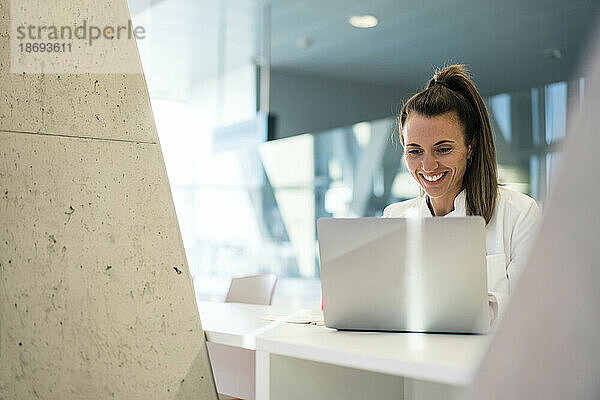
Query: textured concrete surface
x=109, y=106
x=89, y=50
x=96, y=300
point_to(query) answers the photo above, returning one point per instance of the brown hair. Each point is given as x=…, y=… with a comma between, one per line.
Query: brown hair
x=452, y=90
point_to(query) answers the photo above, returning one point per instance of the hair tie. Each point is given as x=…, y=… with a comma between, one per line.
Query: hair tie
x=436, y=82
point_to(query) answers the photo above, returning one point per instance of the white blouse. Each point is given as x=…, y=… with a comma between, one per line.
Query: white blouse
x=509, y=236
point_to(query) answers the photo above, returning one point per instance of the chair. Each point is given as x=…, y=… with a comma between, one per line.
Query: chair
x=252, y=289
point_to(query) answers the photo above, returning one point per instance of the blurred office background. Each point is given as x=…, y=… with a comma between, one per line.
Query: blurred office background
x=272, y=114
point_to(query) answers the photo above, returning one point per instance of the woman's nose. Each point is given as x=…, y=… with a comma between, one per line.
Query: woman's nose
x=429, y=163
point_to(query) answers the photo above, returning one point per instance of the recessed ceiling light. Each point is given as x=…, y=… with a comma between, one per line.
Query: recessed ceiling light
x=363, y=21
x=303, y=43
x=553, y=54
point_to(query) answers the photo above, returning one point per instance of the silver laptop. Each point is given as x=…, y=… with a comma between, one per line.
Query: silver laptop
x=404, y=274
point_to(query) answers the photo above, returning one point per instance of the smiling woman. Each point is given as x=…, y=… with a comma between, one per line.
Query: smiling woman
x=437, y=165
x=450, y=152
x=452, y=94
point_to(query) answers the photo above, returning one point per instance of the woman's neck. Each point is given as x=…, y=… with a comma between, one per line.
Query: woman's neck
x=442, y=205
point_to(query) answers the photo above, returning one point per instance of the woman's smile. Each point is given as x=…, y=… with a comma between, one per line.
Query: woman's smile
x=436, y=155
x=430, y=179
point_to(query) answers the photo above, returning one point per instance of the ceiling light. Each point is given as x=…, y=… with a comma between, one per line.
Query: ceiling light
x=553, y=54
x=303, y=43
x=363, y=21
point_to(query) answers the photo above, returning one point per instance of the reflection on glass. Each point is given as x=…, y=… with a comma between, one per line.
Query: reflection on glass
x=556, y=111
x=500, y=107
x=289, y=167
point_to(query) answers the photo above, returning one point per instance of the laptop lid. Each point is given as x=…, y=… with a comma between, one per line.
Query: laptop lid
x=404, y=274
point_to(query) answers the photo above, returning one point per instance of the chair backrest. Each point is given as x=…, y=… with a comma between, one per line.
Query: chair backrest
x=252, y=289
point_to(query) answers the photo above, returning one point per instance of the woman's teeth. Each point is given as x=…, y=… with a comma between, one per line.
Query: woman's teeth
x=433, y=178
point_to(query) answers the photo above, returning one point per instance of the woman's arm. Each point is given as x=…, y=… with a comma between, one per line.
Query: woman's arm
x=523, y=237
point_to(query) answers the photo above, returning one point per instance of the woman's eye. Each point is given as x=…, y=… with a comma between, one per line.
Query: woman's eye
x=444, y=149
x=414, y=152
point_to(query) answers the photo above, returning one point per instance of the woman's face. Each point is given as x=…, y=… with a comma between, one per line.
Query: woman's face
x=436, y=154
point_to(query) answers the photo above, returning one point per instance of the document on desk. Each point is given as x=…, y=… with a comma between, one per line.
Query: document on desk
x=313, y=317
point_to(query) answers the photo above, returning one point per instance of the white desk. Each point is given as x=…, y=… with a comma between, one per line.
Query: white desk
x=236, y=324
x=302, y=361
x=231, y=330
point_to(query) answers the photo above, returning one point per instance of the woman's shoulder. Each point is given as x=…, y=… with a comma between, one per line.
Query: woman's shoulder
x=516, y=203
x=398, y=210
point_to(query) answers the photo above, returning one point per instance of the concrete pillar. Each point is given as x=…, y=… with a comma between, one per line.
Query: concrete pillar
x=96, y=300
